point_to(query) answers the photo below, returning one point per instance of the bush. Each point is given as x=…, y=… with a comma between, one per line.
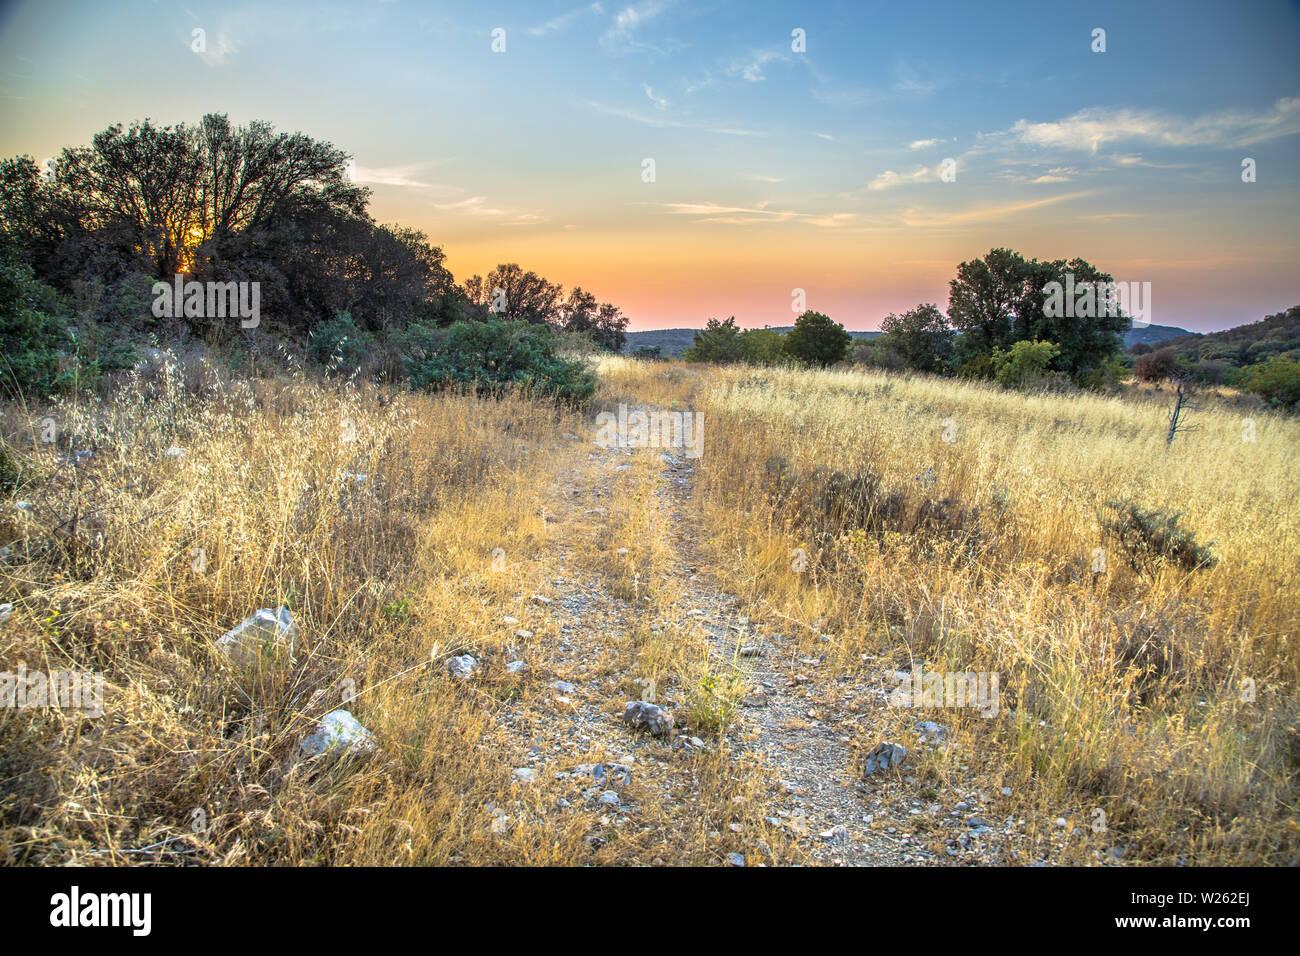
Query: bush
x=762, y=347
x=716, y=342
x=34, y=332
x=648, y=353
x=493, y=356
x=1277, y=380
x=338, y=344
x=817, y=339
x=1153, y=537
x=1025, y=364
x=1156, y=366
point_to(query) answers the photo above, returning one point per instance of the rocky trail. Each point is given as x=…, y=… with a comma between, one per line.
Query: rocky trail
x=786, y=781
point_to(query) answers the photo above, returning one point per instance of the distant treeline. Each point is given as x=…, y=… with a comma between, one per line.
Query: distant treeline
x=85, y=237
x=1024, y=323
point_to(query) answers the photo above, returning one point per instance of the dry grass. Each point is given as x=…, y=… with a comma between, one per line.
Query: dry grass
x=1119, y=692
x=196, y=758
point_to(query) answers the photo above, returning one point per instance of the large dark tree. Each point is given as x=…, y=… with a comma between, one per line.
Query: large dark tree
x=920, y=337
x=1003, y=298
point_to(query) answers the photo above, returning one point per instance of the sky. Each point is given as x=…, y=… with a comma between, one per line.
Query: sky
x=693, y=160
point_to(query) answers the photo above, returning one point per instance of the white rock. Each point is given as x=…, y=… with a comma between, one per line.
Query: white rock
x=264, y=632
x=461, y=666
x=174, y=452
x=516, y=667
x=338, y=732
x=6, y=612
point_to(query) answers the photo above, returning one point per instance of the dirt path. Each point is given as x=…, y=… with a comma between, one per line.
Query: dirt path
x=784, y=780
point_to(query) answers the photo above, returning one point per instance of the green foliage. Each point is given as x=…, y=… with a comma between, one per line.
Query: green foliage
x=1277, y=380
x=649, y=353
x=1150, y=538
x=493, y=356
x=338, y=344
x=1025, y=364
x=817, y=339
x=1004, y=298
x=34, y=332
x=1225, y=357
x=762, y=347
x=716, y=342
x=920, y=338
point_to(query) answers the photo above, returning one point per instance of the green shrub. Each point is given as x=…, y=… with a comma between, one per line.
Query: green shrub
x=817, y=339
x=493, y=356
x=762, y=346
x=34, y=333
x=1277, y=380
x=1153, y=537
x=716, y=342
x=339, y=345
x=1025, y=364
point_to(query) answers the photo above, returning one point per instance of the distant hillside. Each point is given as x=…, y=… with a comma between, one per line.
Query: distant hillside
x=1215, y=355
x=1156, y=333
x=673, y=342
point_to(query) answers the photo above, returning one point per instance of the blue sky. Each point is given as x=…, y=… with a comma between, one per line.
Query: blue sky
x=775, y=169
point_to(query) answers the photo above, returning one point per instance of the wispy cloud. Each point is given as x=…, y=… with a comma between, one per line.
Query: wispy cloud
x=622, y=32
x=750, y=66
x=394, y=176
x=925, y=143
x=709, y=212
x=562, y=22
x=219, y=47
x=477, y=206
x=659, y=102
x=658, y=119
x=1093, y=128
x=927, y=218
x=889, y=179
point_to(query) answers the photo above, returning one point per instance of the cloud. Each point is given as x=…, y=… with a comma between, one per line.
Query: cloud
x=477, y=206
x=925, y=143
x=750, y=67
x=756, y=177
x=217, y=50
x=393, y=176
x=564, y=19
x=621, y=32
x=659, y=102
x=889, y=179
x=906, y=80
x=1093, y=128
x=930, y=219
x=709, y=212
x=665, y=122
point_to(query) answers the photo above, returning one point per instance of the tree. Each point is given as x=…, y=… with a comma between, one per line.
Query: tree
x=920, y=337
x=817, y=339
x=716, y=342
x=1156, y=366
x=510, y=293
x=1003, y=298
x=762, y=346
x=604, y=323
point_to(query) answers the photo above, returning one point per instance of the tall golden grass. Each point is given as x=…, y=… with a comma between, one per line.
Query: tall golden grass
x=1165, y=701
